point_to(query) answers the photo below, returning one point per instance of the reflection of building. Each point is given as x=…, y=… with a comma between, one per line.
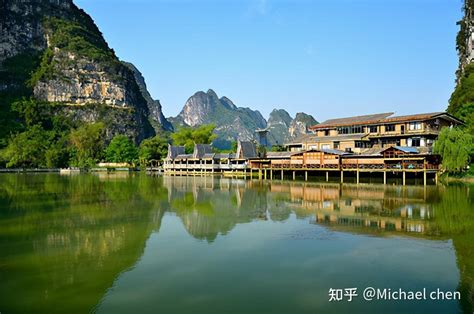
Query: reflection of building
x=210, y=206
x=355, y=207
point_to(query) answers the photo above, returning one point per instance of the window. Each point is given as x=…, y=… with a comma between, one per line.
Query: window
x=325, y=146
x=326, y=132
x=361, y=144
x=390, y=128
x=392, y=142
x=414, y=126
x=344, y=130
x=414, y=142
x=372, y=129
x=356, y=129
x=336, y=145
x=350, y=130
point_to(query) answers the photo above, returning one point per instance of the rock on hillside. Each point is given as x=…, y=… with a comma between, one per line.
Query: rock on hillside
x=231, y=122
x=278, y=125
x=300, y=124
x=53, y=51
x=156, y=117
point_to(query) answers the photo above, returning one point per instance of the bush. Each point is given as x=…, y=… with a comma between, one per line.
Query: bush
x=121, y=149
x=155, y=148
x=187, y=137
x=28, y=149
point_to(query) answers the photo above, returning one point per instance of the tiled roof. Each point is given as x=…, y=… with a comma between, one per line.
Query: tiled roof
x=209, y=156
x=201, y=149
x=335, y=152
x=407, y=149
x=224, y=156
x=277, y=155
x=246, y=149
x=379, y=118
x=174, y=151
x=184, y=156
x=413, y=117
x=352, y=120
x=374, y=151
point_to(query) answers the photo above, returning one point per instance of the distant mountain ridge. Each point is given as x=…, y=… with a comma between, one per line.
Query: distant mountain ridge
x=238, y=123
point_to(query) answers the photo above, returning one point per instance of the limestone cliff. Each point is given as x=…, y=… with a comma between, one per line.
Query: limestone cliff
x=71, y=65
x=156, y=117
x=278, y=124
x=300, y=124
x=231, y=122
x=236, y=123
x=465, y=38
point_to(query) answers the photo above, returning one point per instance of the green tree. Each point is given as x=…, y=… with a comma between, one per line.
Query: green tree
x=461, y=103
x=34, y=112
x=88, y=144
x=189, y=136
x=455, y=147
x=153, y=148
x=278, y=148
x=121, y=149
x=27, y=149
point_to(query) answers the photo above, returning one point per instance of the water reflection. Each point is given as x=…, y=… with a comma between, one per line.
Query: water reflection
x=64, y=241
x=201, y=202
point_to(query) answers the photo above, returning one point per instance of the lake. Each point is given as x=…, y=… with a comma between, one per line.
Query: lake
x=122, y=243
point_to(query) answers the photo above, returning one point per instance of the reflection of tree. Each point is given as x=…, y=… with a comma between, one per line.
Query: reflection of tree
x=64, y=240
x=68, y=238
x=454, y=218
x=213, y=209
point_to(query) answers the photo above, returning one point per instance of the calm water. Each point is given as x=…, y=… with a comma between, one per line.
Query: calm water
x=138, y=244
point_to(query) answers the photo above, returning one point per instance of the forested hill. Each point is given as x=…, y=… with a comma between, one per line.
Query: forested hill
x=461, y=103
x=57, y=73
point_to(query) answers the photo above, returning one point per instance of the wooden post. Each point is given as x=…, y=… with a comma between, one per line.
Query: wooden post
x=294, y=175
x=306, y=175
x=424, y=172
x=260, y=174
x=436, y=178
x=342, y=176
x=281, y=174
x=384, y=177
x=327, y=176
x=404, y=177
x=271, y=174
x=357, y=176
x=265, y=174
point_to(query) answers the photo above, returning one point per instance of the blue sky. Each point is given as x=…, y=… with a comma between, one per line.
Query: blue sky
x=329, y=58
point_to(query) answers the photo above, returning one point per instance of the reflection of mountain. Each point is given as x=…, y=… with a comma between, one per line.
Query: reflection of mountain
x=72, y=242
x=64, y=237
x=216, y=206
x=209, y=207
